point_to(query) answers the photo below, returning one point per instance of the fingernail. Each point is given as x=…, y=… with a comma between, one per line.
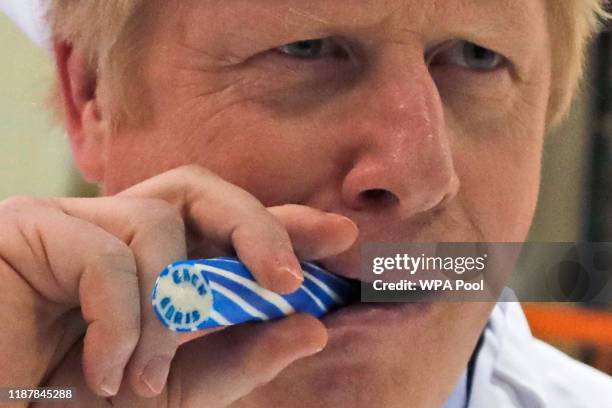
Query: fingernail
x=336, y=215
x=109, y=386
x=296, y=273
x=313, y=351
x=288, y=263
x=342, y=218
x=155, y=373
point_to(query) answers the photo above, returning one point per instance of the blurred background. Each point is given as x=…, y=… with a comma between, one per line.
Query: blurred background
x=575, y=200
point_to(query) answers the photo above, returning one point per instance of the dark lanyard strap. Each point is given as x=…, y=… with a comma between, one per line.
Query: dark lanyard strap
x=470, y=370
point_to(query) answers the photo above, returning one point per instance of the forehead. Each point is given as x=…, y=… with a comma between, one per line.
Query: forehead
x=515, y=28
x=413, y=15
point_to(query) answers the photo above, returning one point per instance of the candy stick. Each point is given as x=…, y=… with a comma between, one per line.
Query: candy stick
x=206, y=293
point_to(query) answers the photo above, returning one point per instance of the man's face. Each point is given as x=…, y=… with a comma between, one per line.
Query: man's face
x=421, y=121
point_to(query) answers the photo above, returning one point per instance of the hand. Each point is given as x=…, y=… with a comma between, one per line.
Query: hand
x=71, y=266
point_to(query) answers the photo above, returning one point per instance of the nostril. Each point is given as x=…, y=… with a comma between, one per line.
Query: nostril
x=374, y=194
x=378, y=196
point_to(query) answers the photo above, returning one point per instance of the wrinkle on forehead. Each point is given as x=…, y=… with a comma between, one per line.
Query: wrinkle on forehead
x=296, y=11
x=366, y=12
x=501, y=14
x=515, y=28
x=349, y=13
x=409, y=14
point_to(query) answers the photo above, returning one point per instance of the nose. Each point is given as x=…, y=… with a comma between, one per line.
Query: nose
x=404, y=161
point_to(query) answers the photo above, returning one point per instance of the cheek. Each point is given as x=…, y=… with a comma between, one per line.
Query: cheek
x=500, y=173
x=227, y=124
x=243, y=144
x=264, y=155
x=498, y=151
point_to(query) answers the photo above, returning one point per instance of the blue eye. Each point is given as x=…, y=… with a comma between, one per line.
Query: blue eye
x=469, y=55
x=311, y=49
x=477, y=57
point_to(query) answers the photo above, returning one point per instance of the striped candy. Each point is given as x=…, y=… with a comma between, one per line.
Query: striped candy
x=206, y=293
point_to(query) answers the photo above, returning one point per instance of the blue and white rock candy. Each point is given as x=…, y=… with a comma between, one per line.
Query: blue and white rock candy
x=201, y=294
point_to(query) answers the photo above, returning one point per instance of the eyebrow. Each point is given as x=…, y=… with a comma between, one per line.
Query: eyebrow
x=508, y=24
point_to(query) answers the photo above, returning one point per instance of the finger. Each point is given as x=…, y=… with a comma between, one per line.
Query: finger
x=231, y=217
x=75, y=263
x=68, y=375
x=316, y=234
x=219, y=369
x=155, y=233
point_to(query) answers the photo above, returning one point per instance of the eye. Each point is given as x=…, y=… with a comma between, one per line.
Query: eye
x=313, y=49
x=469, y=55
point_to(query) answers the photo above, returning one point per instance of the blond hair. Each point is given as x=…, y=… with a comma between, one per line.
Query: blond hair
x=572, y=24
x=106, y=32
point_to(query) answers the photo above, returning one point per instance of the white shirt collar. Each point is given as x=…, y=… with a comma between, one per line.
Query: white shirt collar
x=514, y=369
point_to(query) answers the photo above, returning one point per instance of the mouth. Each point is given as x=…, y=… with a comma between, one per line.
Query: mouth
x=363, y=315
x=375, y=315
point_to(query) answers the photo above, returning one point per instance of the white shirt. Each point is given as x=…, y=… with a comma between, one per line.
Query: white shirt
x=514, y=369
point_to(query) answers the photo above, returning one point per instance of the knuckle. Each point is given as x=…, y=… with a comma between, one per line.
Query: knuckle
x=130, y=332
x=279, y=230
x=164, y=212
x=264, y=225
x=156, y=213
x=119, y=333
x=190, y=173
x=115, y=248
x=189, y=168
x=267, y=219
x=20, y=203
x=116, y=253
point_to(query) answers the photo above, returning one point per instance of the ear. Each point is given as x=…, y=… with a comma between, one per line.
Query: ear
x=85, y=122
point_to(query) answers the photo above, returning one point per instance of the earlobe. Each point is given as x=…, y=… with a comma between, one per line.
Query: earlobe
x=89, y=151
x=84, y=120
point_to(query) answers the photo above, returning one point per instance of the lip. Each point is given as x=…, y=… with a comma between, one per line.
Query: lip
x=372, y=315
x=367, y=315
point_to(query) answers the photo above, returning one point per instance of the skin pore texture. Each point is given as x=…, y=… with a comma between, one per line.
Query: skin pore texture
x=386, y=121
